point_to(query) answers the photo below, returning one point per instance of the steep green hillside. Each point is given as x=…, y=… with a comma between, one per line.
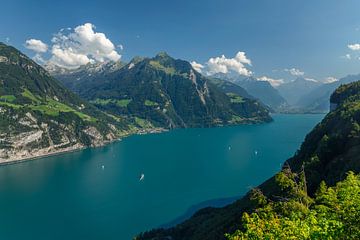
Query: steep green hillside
x=333, y=147
x=332, y=214
x=39, y=116
x=329, y=151
x=168, y=93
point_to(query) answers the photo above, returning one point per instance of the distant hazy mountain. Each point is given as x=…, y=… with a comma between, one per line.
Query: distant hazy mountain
x=294, y=90
x=167, y=92
x=263, y=91
x=318, y=99
x=39, y=116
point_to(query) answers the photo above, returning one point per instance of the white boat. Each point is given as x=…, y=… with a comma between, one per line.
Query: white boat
x=102, y=167
x=256, y=152
x=142, y=176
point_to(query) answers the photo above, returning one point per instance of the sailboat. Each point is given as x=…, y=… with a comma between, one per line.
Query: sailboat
x=142, y=176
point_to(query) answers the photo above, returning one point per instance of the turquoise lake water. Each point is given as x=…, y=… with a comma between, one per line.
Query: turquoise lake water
x=96, y=193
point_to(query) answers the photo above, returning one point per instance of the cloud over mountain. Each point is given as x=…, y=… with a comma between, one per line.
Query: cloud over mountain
x=72, y=48
x=222, y=64
x=294, y=71
x=197, y=66
x=81, y=46
x=272, y=81
x=36, y=45
x=225, y=65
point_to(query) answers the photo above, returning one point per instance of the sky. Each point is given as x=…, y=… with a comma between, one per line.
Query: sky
x=270, y=39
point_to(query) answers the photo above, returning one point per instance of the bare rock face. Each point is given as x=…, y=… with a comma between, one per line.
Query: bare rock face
x=38, y=141
x=96, y=137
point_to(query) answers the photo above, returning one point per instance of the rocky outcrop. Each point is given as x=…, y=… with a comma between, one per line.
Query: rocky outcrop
x=38, y=138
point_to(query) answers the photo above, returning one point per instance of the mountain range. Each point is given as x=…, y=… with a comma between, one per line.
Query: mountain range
x=317, y=100
x=259, y=89
x=300, y=95
x=165, y=91
x=292, y=91
x=106, y=101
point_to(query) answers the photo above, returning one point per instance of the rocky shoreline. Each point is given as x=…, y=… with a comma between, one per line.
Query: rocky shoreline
x=46, y=152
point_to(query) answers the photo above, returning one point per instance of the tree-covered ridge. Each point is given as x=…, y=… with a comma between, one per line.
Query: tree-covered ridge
x=333, y=147
x=333, y=213
x=329, y=152
x=168, y=93
x=347, y=92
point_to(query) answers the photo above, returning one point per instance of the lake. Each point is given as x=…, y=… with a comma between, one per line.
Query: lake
x=96, y=193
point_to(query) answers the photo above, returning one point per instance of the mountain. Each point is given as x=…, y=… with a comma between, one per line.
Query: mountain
x=87, y=75
x=230, y=87
x=329, y=151
x=294, y=90
x=166, y=92
x=318, y=99
x=261, y=90
x=39, y=116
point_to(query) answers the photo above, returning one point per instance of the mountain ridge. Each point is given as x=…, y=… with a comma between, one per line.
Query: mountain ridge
x=169, y=93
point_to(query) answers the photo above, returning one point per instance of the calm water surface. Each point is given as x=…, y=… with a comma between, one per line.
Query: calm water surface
x=72, y=196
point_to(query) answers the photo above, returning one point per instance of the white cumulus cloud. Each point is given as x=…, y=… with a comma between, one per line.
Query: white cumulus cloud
x=330, y=80
x=354, y=47
x=272, y=81
x=294, y=71
x=80, y=46
x=225, y=65
x=197, y=66
x=36, y=45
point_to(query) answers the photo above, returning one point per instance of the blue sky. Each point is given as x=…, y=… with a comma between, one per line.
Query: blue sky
x=309, y=35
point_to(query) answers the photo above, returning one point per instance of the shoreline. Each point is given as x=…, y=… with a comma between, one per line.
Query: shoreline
x=50, y=154
x=139, y=132
x=64, y=151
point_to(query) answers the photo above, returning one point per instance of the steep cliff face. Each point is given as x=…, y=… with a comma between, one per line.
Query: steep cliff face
x=39, y=116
